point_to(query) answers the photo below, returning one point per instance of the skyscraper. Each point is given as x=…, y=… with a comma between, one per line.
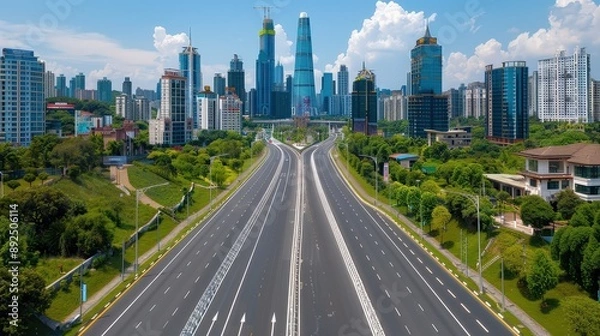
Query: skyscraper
x=304, y=101
x=564, y=86
x=219, y=84
x=124, y=107
x=342, y=80
x=326, y=92
x=104, y=90
x=79, y=82
x=61, y=86
x=364, y=103
x=595, y=99
x=456, y=101
x=475, y=100
x=229, y=112
x=506, y=104
x=265, y=67
x=207, y=109
x=532, y=89
x=172, y=126
x=141, y=108
x=278, y=77
x=127, y=87
x=189, y=65
x=236, y=79
x=427, y=107
x=22, y=102
x=49, y=88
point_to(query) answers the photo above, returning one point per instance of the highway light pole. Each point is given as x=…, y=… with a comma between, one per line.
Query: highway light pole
x=212, y=158
x=137, y=211
x=475, y=199
x=374, y=158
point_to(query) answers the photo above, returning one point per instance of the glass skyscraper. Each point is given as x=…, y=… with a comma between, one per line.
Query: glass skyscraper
x=506, y=102
x=364, y=103
x=189, y=65
x=265, y=68
x=236, y=79
x=104, y=90
x=61, y=86
x=22, y=102
x=304, y=100
x=427, y=107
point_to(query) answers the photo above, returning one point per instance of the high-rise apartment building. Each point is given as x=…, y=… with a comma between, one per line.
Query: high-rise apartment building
x=49, y=87
x=189, y=66
x=22, y=101
x=141, y=108
x=364, y=103
x=123, y=106
x=595, y=99
x=427, y=107
x=61, y=86
x=207, y=109
x=230, y=112
x=396, y=105
x=564, y=86
x=236, y=79
x=475, y=100
x=104, y=90
x=304, y=102
x=507, y=118
x=173, y=126
x=342, y=80
x=456, y=101
x=127, y=87
x=265, y=67
x=532, y=88
x=219, y=84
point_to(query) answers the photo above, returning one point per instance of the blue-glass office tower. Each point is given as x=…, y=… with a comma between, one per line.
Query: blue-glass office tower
x=189, y=65
x=22, y=101
x=61, y=86
x=326, y=92
x=364, y=103
x=127, y=87
x=265, y=68
x=104, y=90
x=219, y=84
x=304, y=100
x=427, y=107
x=278, y=78
x=506, y=103
x=236, y=79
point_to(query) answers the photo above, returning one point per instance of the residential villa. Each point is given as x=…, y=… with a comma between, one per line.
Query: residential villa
x=549, y=170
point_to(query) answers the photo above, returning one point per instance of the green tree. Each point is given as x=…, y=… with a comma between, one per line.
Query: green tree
x=439, y=219
x=85, y=235
x=43, y=176
x=29, y=178
x=218, y=173
x=402, y=194
x=585, y=214
x=567, y=202
x=427, y=204
x=74, y=171
x=32, y=295
x=542, y=275
x=413, y=199
x=430, y=186
x=590, y=266
x=513, y=259
x=13, y=184
x=535, y=211
x=502, y=198
x=582, y=315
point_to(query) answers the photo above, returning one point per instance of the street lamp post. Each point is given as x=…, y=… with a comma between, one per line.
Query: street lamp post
x=374, y=158
x=210, y=175
x=137, y=210
x=475, y=199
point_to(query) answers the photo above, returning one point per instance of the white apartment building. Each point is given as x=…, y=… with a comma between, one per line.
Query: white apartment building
x=564, y=87
x=475, y=100
x=123, y=107
x=395, y=107
x=141, y=108
x=595, y=99
x=230, y=113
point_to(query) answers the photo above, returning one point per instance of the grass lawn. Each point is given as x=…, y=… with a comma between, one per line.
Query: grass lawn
x=148, y=240
x=167, y=195
x=50, y=268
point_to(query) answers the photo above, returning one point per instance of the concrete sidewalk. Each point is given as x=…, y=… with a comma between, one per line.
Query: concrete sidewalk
x=94, y=299
x=489, y=289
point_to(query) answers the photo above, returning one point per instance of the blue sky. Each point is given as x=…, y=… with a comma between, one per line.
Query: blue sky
x=138, y=39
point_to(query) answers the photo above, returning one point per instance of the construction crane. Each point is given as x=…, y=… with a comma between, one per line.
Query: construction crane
x=266, y=10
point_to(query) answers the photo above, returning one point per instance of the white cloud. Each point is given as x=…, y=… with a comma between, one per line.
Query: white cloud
x=391, y=30
x=283, y=48
x=571, y=23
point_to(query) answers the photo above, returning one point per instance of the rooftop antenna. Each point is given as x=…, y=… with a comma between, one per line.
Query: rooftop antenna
x=266, y=10
x=190, y=39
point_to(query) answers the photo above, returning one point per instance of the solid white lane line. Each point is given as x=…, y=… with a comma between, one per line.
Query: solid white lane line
x=450, y=292
x=482, y=326
x=465, y=308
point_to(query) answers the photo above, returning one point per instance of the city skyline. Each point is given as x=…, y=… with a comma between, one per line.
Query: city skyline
x=82, y=36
